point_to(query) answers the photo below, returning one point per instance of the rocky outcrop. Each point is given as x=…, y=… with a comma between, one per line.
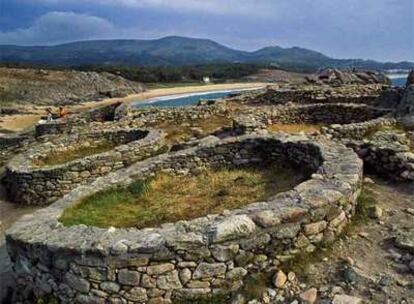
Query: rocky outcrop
x=407, y=102
x=47, y=87
x=337, y=77
x=410, y=79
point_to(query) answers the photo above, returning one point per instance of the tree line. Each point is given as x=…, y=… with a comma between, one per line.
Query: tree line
x=159, y=74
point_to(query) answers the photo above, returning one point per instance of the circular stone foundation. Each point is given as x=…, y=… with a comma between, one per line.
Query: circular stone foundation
x=194, y=258
x=102, y=114
x=332, y=113
x=35, y=177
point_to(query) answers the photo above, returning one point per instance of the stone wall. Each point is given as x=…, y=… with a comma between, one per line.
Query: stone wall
x=118, y=111
x=187, y=113
x=366, y=94
x=28, y=183
x=105, y=113
x=386, y=153
x=59, y=126
x=407, y=101
x=77, y=121
x=260, y=117
x=11, y=144
x=358, y=130
x=188, y=259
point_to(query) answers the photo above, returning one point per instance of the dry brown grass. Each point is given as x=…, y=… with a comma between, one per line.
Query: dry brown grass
x=183, y=131
x=168, y=199
x=295, y=128
x=58, y=158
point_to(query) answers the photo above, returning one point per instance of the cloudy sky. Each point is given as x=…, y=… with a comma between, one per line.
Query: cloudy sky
x=369, y=29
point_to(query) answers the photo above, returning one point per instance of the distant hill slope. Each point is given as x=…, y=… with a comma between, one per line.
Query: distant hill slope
x=41, y=87
x=178, y=51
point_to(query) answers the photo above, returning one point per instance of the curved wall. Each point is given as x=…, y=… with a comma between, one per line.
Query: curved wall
x=188, y=259
x=38, y=185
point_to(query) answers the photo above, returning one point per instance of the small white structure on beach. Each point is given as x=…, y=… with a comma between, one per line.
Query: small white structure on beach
x=206, y=79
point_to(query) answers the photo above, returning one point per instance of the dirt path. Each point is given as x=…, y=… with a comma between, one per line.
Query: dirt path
x=9, y=213
x=20, y=122
x=367, y=264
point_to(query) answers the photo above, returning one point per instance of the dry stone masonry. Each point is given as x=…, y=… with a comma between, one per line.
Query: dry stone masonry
x=387, y=153
x=369, y=125
x=366, y=94
x=189, y=259
x=261, y=117
x=29, y=183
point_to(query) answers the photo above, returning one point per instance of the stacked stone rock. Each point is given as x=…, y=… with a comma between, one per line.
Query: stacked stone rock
x=189, y=259
x=28, y=183
x=75, y=122
x=176, y=114
x=259, y=118
x=358, y=130
x=386, y=153
x=11, y=144
x=366, y=94
x=407, y=102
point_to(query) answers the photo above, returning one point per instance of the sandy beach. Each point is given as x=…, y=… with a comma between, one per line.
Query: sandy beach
x=16, y=123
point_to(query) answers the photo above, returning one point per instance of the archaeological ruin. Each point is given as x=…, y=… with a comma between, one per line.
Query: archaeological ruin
x=358, y=129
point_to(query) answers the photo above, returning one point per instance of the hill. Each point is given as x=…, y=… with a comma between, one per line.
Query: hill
x=41, y=87
x=179, y=51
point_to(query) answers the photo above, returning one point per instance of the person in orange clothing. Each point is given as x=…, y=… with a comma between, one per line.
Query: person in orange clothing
x=63, y=113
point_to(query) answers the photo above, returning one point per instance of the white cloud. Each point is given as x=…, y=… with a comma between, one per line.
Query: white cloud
x=219, y=7
x=58, y=27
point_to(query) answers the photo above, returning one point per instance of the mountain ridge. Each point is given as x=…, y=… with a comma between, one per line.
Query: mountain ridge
x=179, y=51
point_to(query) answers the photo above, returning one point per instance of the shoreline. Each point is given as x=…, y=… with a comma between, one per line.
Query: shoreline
x=162, y=92
x=19, y=122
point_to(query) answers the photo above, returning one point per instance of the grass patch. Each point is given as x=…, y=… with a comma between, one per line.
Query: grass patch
x=58, y=158
x=48, y=299
x=166, y=198
x=295, y=128
x=397, y=128
x=301, y=262
x=178, y=131
x=255, y=285
x=213, y=299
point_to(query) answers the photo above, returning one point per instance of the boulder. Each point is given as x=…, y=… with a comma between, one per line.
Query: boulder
x=233, y=227
x=279, y=280
x=410, y=78
x=206, y=270
x=345, y=299
x=309, y=296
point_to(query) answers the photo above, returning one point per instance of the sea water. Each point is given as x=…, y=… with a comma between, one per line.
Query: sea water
x=398, y=80
x=184, y=99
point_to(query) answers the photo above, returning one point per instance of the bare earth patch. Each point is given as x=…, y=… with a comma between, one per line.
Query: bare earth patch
x=365, y=262
x=181, y=131
x=166, y=198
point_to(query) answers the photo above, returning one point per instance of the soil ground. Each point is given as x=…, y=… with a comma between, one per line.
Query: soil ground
x=9, y=213
x=377, y=275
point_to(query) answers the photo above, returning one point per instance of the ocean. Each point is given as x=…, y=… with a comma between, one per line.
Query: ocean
x=194, y=98
x=398, y=80
x=183, y=99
